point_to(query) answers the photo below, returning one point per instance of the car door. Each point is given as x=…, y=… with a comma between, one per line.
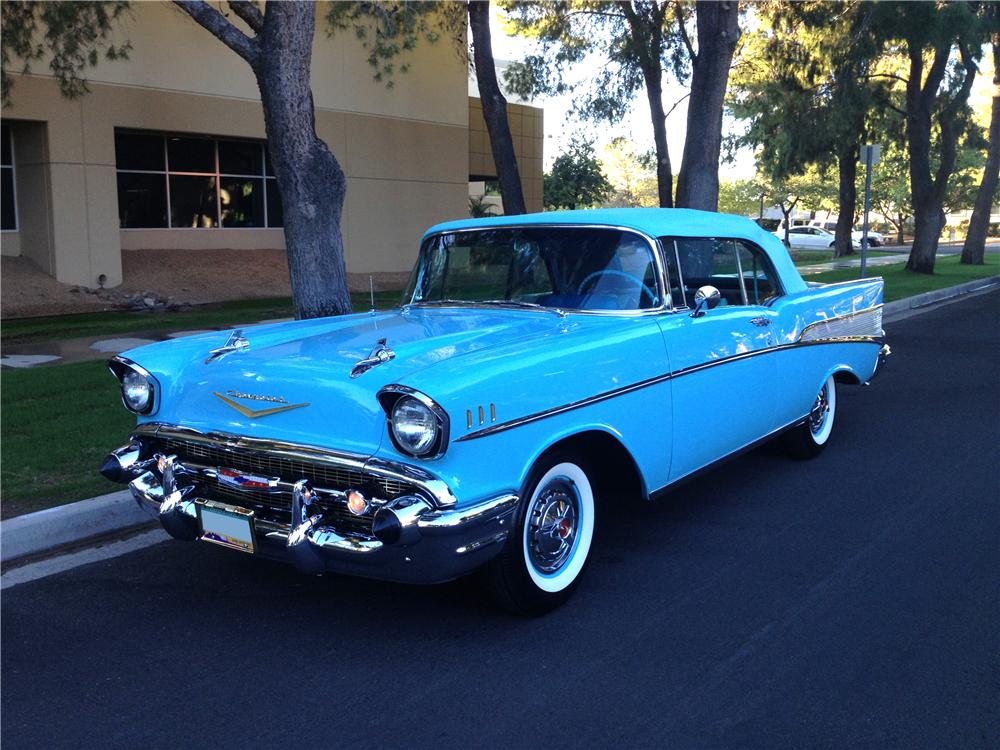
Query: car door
x=723, y=392
x=800, y=237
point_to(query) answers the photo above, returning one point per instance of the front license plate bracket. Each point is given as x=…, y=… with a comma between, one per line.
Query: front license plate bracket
x=227, y=525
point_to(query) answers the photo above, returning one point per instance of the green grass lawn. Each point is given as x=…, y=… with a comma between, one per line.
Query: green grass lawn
x=220, y=315
x=900, y=283
x=58, y=425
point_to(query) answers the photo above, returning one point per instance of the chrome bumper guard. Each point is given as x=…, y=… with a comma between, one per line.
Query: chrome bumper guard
x=883, y=354
x=415, y=542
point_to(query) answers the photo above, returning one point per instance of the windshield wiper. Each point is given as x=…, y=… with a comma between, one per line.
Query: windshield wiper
x=522, y=304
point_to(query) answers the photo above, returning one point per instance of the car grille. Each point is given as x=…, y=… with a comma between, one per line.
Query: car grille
x=276, y=507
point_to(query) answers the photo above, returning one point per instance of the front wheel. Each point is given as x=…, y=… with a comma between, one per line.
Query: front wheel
x=548, y=548
x=809, y=438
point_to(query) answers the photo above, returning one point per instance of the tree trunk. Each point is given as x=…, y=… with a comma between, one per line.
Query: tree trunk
x=847, y=200
x=495, y=110
x=664, y=172
x=928, y=221
x=718, y=32
x=927, y=187
x=900, y=226
x=974, y=249
x=310, y=180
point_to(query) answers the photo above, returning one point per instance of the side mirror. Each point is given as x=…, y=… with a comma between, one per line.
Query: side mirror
x=706, y=297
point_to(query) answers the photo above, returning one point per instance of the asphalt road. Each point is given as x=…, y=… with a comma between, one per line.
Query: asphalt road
x=851, y=601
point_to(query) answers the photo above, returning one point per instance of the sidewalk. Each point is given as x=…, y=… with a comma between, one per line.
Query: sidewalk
x=93, y=347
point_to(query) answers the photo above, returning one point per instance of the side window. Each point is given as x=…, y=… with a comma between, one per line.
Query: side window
x=758, y=274
x=709, y=261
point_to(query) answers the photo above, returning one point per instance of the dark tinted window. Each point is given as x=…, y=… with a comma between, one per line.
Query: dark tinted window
x=139, y=151
x=8, y=205
x=149, y=167
x=240, y=157
x=193, y=202
x=142, y=200
x=242, y=201
x=275, y=217
x=6, y=146
x=8, y=215
x=190, y=154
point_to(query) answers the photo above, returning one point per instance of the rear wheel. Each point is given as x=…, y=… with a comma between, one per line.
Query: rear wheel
x=809, y=438
x=547, y=551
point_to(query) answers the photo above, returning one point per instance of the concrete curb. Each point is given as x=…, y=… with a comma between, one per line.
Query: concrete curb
x=45, y=530
x=938, y=295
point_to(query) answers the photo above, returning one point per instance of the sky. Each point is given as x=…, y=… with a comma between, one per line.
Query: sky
x=560, y=126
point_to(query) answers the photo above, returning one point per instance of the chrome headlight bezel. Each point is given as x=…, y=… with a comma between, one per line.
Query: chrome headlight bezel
x=394, y=397
x=123, y=368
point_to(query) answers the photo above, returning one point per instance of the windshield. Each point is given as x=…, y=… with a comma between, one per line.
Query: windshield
x=560, y=267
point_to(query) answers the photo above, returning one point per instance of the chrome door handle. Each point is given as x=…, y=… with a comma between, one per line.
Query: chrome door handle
x=761, y=322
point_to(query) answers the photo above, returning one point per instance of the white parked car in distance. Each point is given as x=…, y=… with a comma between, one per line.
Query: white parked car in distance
x=875, y=239
x=811, y=237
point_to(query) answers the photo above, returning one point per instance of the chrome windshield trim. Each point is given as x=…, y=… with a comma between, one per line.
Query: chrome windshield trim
x=439, y=492
x=666, y=304
x=546, y=413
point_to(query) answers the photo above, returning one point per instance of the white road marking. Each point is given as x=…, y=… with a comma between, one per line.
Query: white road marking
x=60, y=564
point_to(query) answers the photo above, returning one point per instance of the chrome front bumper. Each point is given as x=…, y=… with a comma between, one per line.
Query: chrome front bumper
x=415, y=539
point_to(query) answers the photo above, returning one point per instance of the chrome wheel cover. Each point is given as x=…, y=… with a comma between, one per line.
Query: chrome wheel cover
x=553, y=525
x=820, y=410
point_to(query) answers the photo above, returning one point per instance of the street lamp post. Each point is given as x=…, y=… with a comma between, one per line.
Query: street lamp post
x=869, y=154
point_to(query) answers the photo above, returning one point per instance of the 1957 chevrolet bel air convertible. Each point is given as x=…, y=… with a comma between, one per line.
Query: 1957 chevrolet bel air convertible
x=537, y=366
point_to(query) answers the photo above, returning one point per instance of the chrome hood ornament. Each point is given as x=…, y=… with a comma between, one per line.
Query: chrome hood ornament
x=379, y=355
x=236, y=343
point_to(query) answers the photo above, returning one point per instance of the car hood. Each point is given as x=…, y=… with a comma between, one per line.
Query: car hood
x=293, y=382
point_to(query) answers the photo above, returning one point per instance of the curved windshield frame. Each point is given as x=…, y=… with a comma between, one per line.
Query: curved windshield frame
x=584, y=268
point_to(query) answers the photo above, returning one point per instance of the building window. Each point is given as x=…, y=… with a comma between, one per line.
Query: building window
x=8, y=209
x=194, y=182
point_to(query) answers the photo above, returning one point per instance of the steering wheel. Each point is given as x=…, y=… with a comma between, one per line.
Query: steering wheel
x=611, y=272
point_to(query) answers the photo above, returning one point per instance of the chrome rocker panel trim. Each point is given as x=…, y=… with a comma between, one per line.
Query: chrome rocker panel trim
x=433, y=544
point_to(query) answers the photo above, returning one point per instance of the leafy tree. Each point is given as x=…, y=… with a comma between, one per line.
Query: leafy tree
x=810, y=63
x=76, y=35
x=742, y=197
x=638, y=40
x=975, y=239
x=278, y=49
x=940, y=43
x=479, y=207
x=891, y=188
x=576, y=179
x=632, y=175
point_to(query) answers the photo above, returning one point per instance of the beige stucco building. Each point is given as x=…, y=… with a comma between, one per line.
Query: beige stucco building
x=166, y=152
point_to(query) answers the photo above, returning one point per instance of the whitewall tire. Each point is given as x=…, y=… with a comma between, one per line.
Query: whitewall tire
x=548, y=548
x=808, y=439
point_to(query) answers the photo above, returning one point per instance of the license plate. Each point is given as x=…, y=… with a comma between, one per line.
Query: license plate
x=227, y=525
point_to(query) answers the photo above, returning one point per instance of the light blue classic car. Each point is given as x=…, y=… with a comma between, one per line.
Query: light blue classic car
x=537, y=366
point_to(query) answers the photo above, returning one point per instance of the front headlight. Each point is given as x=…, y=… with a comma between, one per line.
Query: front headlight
x=138, y=387
x=137, y=392
x=414, y=426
